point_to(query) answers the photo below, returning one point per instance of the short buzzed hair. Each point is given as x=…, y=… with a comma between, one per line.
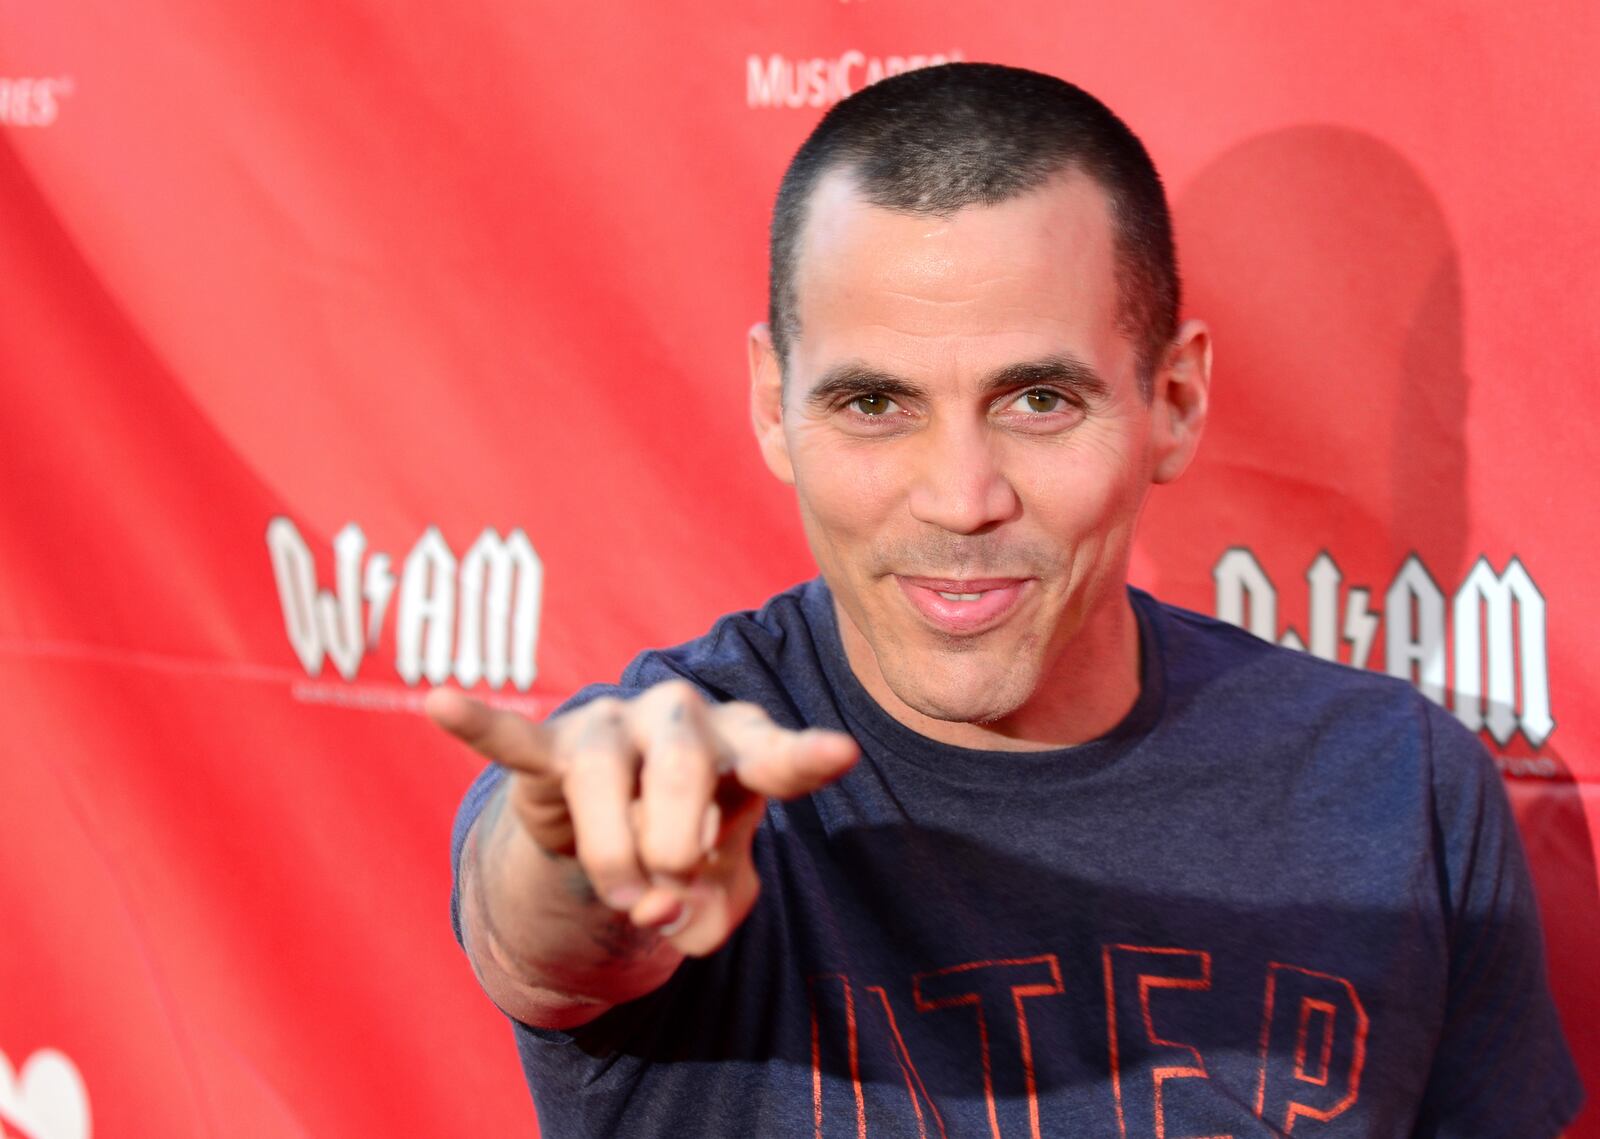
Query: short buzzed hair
x=939, y=139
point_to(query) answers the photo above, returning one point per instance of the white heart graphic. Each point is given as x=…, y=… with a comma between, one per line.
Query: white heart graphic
x=46, y=1100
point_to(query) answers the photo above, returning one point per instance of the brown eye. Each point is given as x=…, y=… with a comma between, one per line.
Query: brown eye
x=873, y=404
x=1042, y=401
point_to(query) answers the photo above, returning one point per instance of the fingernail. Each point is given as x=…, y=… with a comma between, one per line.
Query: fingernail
x=677, y=923
x=710, y=827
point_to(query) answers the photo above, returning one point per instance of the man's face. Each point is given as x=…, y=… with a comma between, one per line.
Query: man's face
x=963, y=425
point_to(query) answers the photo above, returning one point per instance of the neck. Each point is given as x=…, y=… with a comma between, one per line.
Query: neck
x=1091, y=682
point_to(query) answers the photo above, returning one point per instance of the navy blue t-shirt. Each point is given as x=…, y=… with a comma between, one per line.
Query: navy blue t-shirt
x=1281, y=895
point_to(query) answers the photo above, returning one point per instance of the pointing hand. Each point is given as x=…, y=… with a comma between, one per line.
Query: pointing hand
x=657, y=797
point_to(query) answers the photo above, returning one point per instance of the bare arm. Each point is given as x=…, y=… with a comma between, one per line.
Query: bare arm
x=544, y=947
x=620, y=841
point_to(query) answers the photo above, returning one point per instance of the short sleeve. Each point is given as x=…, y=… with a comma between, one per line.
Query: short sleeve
x=1502, y=1069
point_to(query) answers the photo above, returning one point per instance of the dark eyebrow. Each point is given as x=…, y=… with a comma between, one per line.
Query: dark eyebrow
x=853, y=378
x=1062, y=371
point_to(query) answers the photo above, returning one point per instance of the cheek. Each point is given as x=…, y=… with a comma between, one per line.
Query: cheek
x=1087, y=488
x=847, y=489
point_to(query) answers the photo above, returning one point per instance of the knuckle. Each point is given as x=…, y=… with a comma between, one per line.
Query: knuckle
x=595, y=746
x=743, y=715
x=601, y=708
x=678, y=689
x=675, y=694
x=584, y=721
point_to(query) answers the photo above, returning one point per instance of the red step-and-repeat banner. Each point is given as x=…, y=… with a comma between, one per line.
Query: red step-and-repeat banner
x=353, y=348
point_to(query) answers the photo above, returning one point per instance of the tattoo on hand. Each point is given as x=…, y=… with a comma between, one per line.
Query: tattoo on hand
x=574, y=879
x=621, y=939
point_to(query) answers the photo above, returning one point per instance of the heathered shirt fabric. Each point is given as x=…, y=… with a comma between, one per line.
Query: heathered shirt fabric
x=1280, y=895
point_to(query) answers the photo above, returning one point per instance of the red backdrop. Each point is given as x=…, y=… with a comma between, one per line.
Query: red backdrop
x=349, y=348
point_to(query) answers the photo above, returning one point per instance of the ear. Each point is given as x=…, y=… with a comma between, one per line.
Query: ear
x=1179, y=402
x=766, y=403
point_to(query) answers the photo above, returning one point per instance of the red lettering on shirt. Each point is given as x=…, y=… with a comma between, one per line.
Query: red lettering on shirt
x=834, y=1006
x=1313, y=1045
x=1313, y=1025
x=830, y=993
x=1131, y=972
x=914, y=1086
x=979, y=985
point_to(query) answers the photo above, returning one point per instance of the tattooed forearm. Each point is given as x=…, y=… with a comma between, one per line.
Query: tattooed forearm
x=611, y=933
x=573, y=878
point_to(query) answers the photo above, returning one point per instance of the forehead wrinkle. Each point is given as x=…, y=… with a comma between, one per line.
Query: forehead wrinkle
x=897, y=284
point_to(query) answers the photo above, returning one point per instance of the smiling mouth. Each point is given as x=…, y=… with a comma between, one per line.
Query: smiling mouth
x=962, y=606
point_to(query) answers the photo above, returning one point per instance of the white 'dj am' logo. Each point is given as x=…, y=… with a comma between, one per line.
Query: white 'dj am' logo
x=44, y=1099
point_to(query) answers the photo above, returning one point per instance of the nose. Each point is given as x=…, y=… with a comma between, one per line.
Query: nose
x=960, y=485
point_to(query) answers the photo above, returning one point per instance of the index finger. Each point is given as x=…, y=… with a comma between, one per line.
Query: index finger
x=780, y=763
x=509, y=739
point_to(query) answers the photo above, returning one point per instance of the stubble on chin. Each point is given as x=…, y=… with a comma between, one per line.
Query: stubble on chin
x=958, y=689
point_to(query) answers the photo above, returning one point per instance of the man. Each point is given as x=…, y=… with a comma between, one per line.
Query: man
x=967, y=837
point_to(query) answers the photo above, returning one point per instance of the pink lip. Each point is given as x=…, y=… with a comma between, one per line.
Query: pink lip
x=999, y=596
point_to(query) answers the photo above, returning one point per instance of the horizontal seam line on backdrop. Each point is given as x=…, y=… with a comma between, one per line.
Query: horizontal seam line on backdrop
x=306, y=689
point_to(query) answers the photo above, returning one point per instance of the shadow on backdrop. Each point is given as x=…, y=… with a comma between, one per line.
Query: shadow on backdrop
x=1326, y=268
